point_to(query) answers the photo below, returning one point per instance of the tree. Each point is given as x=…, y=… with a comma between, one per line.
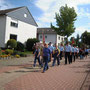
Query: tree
x=20, y=46
x=85, y=37
x=65, y=21
x=30, y=42
x=77, y=40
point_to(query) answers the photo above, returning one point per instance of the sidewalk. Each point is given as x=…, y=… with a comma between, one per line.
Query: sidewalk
x=75, y=76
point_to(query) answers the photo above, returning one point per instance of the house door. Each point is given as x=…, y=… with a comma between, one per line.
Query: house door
x=13, y=36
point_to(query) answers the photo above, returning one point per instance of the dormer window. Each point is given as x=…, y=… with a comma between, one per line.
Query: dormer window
x=25, y=15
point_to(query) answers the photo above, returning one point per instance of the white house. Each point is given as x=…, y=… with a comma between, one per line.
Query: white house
x=16, y=23
x=50, y=36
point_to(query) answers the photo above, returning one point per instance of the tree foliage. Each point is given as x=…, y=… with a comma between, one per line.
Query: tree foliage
x=12, y=43
x=85, y=37
x=65, y=21
x=20, y=46
x=77, y=40
x=30, y=42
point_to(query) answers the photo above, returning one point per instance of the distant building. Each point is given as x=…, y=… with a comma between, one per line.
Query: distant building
x=50, y=36
x=16, y=23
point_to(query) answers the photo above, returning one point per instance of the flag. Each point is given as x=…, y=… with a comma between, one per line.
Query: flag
x=43, y=39
x=73, y=41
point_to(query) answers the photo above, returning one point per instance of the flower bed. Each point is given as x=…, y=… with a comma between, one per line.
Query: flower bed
x=9, y=53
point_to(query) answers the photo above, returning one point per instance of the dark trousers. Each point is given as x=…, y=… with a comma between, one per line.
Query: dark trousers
x=46, y=59
x=61, y=55
x=54, y=61
x=67, y=56
x=76, y=55
x=73, y=57
x=37, y=58
x=49, y=58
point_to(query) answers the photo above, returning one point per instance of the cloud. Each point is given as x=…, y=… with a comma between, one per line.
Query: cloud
x=88, y=24
x=44, y=4
x=49, y=7
x=4, y=4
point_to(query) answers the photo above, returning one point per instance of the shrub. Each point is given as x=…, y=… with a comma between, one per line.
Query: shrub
x=30, y=42
x=0, y=51
x=9, y=51
x=23, y=55
x=3, y=52
x=15, y=52
x=12, y=43
x=20, y=46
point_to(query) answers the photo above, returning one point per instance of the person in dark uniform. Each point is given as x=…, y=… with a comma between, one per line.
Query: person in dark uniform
x=86, y=52
x=37, y=56
x=83, y=53
x=80, y=53
x=67, y=53
x=56, y=53
x=71, y=46
x=51, y=50
x=46, y=55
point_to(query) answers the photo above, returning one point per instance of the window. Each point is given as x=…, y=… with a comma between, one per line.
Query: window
x=25, y=15
x=12, y=36
x=40, y=36
x=59, y=38
x=13, y=24
x=45, y=36
x=62, y=39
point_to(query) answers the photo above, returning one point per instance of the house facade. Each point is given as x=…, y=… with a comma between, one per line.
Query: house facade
x=50, y=36
x=18, y=24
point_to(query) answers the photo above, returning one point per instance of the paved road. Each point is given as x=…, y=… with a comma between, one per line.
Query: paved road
x=18, y=74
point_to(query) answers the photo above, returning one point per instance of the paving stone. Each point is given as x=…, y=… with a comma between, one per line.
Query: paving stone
x=23, y=76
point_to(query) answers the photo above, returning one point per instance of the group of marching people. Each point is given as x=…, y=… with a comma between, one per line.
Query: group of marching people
x=47, y=53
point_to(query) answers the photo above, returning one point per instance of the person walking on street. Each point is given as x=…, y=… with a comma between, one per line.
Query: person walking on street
x=77, y=52
x=61, y=48
x=80, y=53
x=37, y=56
x=86, y=52
x=56, y=54
x=46, y=55
x=51, y=50
x=73, y=53
x=67, y=53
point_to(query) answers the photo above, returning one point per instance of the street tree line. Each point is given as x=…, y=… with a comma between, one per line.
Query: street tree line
x=83, y=40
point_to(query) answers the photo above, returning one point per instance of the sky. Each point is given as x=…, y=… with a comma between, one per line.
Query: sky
x=44, y=11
